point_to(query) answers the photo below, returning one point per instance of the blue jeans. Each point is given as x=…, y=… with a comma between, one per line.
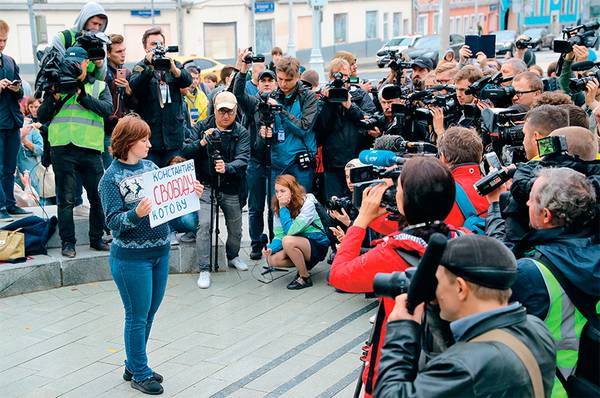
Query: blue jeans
x=186, y=223
x=9, y=148
x=304, y=177
x=257, y=183
x=142, y=285
x=107, y=157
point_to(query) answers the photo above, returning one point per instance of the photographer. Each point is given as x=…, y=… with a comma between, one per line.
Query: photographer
x=473, y=286
x=195, y=97
x=338, y=129
x=220, y=149
x=528, y=87
x=522, y=51
x=420, y=68
x=579, y=54
x=92, y=18
x=561, y=247
x=425, y=194
x=465, y=77
x=159, y=101
x=461, y=149
x=389, y=94
x=257, y=165
x=116, y=80
x=294, y=146
x=510, y=68
x=76, y=136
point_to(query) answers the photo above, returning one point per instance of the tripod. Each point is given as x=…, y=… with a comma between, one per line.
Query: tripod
x=215, y=193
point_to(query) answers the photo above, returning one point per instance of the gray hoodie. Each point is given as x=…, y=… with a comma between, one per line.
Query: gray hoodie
x=88, y=11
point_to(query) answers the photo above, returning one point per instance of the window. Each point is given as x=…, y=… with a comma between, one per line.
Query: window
x=405, y=26
x=436, y=23
x=220, y=40
x=547, y=7
x=465, y=27
x=264, y=36
x=563, y=7
x=386, y=16
x=572, y=7
x=422, y=24
x=371, y=24
x=396, y=18
x=340, y=32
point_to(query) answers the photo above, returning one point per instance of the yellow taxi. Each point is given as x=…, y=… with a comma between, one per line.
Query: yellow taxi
x=206, y=65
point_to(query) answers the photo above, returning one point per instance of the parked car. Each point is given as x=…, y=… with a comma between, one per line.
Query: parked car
x=541, y=37
x=206, y=65
x=398, y=44
x=429, y=47
x=505, y=41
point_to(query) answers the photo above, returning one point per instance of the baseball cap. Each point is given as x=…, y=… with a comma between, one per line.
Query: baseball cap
x=481, y=260
x=422, y=62
x=77, y=54
x=267, y=73
x=225, y=99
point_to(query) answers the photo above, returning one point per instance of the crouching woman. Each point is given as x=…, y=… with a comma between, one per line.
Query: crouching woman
x=300, y=240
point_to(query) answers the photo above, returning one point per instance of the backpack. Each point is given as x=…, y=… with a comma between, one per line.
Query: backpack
x=473, y=220
x=327, y=222
x=37, y=230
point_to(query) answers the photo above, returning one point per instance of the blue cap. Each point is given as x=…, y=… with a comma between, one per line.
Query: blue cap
x=77, y=54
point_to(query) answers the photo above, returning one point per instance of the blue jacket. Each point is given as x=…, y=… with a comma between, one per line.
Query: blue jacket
x=11, y=117
x=576, y=255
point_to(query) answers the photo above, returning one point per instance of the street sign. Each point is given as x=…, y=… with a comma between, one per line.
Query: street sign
x=145, y=13
x=263, y=7
x=318, y=3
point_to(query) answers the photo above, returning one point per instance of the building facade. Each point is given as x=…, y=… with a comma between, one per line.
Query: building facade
x=466, y=17
x=217, y=28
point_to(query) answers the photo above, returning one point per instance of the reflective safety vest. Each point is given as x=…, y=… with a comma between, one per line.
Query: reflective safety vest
x=76, y=125
x=565, y=323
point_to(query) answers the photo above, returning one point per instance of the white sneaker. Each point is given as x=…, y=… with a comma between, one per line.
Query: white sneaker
x=239, y=264
x=173, y=238
x=204, y=280
x=372, y=319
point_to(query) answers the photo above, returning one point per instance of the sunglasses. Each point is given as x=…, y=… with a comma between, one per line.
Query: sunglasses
x=225, y=111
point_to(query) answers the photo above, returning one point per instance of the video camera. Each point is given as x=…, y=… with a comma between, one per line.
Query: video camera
x=94, y=43
x=337, y=204
x=581, y=35
x=57, y=75
x=504, y=127
x=369, y=176
x=250, y=58
x=160, y=61
x=337, y=92
x=447, y=102
x=524, y=43
x=489, y=88
x=267, y=111
x=375, y=120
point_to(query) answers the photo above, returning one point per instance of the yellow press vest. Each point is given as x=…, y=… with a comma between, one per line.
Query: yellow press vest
x=76, y=125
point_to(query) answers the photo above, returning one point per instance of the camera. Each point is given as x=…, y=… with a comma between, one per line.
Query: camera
x=267, y=111
x=57, y=75
x=581, y=35
x=504, y=130
x=490, y=88
x=375, y=120
x=368, y=176
x=577, y=85
x=449, y=105
x=160, y=61
x=394, y=284
x=550, y=84
x=93, y=43
x=250, y=58
x=337, y=92
x=337, y=204
x=215, y=138
x=552, y=145
x=522, y=44
x=493, y=180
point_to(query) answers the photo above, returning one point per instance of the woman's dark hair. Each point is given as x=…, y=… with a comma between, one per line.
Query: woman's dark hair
x=428, y=194
x=129, y=129
x=297, y=191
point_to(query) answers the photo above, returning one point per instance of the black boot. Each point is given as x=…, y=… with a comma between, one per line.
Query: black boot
x=149, y=386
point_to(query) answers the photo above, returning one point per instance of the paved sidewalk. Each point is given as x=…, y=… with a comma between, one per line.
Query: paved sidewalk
x=240, y=338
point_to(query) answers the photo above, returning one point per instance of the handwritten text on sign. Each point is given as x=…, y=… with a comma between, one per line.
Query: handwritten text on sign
x=172, y=192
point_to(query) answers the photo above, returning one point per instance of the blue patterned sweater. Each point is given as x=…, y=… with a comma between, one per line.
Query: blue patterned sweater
x=120, y=192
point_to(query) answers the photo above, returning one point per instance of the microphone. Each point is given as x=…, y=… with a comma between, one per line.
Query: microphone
x=380, y=158
x=423, y=283
x=583, y=65
x=264, y=241
x=396, y=143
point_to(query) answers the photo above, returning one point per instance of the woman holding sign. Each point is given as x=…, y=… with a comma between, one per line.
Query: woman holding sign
x=139, y=255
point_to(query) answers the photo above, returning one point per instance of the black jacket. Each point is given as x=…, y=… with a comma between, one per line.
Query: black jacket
x=249, y=106
x=165, y=123
x=338, y=129
x=11, y=117
x=235, y=149
x=482, y=369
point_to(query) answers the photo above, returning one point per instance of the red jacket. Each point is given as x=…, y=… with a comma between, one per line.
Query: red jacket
x=354, y=273
x=466, y=175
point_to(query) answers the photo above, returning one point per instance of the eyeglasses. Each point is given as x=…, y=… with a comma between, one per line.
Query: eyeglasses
x=520, y=93
x=225, y=111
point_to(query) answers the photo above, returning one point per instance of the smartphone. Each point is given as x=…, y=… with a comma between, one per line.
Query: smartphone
x=15, y=82
x=121, y=73
x=493, y=160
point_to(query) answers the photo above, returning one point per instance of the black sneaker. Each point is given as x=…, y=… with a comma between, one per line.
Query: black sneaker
x=149, y=386
x=300, y=283
x=128, y=376
x=256, y=254
x=100, y=245
x=17, y=211
x=4, y=216
x=68, y=250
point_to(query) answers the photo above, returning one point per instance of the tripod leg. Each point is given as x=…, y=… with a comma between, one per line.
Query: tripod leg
x=210, y=233
x=217, y=231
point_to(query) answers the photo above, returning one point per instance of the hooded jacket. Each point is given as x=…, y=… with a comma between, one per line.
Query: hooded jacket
x=89, y=10
x=575, y=254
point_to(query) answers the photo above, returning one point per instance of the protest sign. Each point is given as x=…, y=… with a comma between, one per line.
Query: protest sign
x=171, y=190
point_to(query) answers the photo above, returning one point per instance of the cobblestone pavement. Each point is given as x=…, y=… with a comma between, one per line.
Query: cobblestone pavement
x=240, y=338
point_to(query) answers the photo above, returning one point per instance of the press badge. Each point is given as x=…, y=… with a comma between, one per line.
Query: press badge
x=164, y=93
x=194, y=113
x=280, y=135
